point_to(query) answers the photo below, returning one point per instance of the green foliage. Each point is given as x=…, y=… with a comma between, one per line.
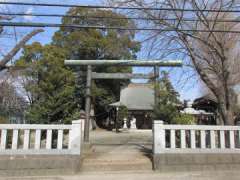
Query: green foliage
x=184, y=119
x=98, y=44
x=122, y=112
x=166, y=112
x=166, y=108
x=93, y=43
x=50, y=84
x=3, y=120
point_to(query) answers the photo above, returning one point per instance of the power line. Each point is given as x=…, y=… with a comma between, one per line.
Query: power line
x=23, y=24
x=116, y=7
x=115, y=18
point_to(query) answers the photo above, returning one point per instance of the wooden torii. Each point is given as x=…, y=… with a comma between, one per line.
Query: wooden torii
x=94, y=75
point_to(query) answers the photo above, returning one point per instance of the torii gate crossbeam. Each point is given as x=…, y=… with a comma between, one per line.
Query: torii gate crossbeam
x=145, y=63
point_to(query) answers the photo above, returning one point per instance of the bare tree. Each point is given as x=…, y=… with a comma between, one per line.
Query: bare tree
x=11, y=102
x=7, y=58
x=213, y=54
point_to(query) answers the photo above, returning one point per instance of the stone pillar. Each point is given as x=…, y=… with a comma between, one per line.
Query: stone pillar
x=158, y=136
x=75, y=137
x=125, y=123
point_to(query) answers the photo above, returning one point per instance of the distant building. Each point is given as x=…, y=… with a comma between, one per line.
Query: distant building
x=209, y=104
x=139, y=100
x=202, y=115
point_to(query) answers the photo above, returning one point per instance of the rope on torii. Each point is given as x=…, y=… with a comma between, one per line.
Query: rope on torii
x=89, y=63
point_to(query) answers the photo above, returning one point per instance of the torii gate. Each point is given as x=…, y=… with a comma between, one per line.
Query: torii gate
x=93, y=75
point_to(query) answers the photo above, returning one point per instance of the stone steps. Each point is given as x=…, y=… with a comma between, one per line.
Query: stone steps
x=112, y=158
x=116, y=166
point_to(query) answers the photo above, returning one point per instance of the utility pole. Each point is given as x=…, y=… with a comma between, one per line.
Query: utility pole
x=88, y=103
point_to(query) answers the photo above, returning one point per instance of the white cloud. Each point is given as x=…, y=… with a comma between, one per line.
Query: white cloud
x=3, y=6
x=29, y=11
x=9, y=8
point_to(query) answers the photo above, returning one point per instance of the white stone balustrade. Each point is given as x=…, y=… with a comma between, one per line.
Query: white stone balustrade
x=195, y=138
x=28, y=139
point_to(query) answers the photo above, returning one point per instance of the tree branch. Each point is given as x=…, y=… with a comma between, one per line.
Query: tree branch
x=18, y=46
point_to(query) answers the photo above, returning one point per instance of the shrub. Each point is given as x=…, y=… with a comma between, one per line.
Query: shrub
x=184, y=119
x=3, y=120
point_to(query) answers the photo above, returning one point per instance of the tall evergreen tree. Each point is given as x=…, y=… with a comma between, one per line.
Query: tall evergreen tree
x=51, y=84
x=168, y=99
x=98, y=44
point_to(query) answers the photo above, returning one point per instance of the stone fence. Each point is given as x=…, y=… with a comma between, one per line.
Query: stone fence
x=195, y=147
x=29, y=147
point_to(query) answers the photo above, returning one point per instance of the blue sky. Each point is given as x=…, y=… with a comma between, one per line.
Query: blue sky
x=187, y=87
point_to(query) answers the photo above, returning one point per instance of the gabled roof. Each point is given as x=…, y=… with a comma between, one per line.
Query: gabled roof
x=210, y=96
x=137, y=97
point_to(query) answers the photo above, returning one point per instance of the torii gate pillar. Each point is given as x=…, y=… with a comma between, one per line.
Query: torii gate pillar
x=88, y=103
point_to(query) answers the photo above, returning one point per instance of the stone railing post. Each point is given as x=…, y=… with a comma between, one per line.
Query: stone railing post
x=158, y=136
x=82, y=127
x=76, y=137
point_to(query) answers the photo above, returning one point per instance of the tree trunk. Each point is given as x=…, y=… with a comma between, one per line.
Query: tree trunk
x=229, y=117
x=226, y=112
x=219, y=119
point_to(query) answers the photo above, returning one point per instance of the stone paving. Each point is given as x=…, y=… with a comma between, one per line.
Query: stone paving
x=223, y=175
x=124, y=137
